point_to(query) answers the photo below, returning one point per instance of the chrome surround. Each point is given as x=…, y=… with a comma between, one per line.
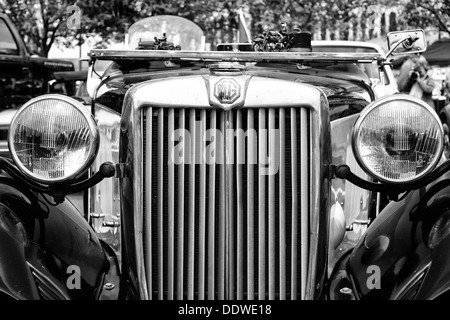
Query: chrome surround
x=92, y=127
x=152, y=93
x=376, y=104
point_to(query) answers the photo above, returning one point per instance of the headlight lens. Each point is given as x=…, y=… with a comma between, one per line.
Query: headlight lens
x=53, y=138
x=398, y=139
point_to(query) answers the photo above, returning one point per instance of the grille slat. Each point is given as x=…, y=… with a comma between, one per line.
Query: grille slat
x=211, y=211
x=224, y=215
x=271, y=208
x=262, y=153
x=192, y=193
x=282, y=205
x=160, y=199
x=230, y=209
x=251, y=160
x=294, y=225
x=202, y=217
x=180, y=203
x=240, y=154
x=171, y=213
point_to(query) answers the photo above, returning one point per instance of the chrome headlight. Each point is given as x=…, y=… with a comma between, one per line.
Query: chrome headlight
x=53, y=138
x=398, y=139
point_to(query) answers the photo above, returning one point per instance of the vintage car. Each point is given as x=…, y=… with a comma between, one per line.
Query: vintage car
x=226, y=175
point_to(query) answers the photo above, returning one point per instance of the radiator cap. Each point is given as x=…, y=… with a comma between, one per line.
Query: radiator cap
x=228, y=67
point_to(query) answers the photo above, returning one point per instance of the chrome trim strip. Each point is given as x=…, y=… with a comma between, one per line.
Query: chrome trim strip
x=143, y=261
x=108, y=54
x=319, y=190
x=304, y=203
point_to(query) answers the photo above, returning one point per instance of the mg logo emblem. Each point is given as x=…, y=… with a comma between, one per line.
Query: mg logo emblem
x=227, y=90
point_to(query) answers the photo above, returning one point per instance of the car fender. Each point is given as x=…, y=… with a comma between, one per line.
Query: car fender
x=56, y=237
x=396, y=259
x=444, y=114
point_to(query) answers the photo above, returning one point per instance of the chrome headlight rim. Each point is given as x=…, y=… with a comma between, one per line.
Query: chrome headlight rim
x=377, y=103
x=85, y=112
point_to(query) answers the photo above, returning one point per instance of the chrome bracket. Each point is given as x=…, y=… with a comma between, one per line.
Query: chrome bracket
x=120, y=170
x=360, y=222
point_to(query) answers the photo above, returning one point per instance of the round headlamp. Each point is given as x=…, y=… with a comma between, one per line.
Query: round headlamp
x=53, y=138
x=398, y=139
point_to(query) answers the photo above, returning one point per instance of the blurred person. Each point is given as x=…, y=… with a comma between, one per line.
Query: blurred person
x=421, y=84
x=405, y=71
x=446, y=84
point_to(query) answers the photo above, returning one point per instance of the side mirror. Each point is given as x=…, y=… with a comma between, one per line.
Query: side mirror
x=406, y=42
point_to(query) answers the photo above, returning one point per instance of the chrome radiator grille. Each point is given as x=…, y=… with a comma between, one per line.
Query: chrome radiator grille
x=220, y=222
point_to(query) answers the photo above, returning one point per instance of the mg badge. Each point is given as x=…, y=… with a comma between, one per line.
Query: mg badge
x=227, y=90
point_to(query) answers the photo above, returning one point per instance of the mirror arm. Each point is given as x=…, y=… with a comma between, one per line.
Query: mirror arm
x=395, y=47
x=393, y=191
x=409, y=39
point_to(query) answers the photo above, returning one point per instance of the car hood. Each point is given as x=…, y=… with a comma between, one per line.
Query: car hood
x=338, y=83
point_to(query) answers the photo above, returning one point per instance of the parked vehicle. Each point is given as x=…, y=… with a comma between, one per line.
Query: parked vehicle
x=157, y=44
x=383, y=80
x=22, y=75
x=226, y=175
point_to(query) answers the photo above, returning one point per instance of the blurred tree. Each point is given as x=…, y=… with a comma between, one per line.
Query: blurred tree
x=435, y=13
x=105, y=21
x=45, y=22
x=40, y=22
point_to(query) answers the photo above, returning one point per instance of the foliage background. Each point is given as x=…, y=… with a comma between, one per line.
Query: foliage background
x=43, y=23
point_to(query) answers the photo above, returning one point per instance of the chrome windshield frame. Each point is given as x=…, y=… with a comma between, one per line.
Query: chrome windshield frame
x=205, y=56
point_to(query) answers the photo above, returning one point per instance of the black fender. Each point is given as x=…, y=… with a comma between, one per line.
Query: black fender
x=40, y=241
x=444, y=114
x=405, y=252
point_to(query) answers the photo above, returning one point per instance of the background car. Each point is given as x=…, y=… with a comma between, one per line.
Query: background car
x=22, y=76
x=384, y=80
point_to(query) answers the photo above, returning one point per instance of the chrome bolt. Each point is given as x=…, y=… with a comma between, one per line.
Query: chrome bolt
x=108, y=286
x=346, y=291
